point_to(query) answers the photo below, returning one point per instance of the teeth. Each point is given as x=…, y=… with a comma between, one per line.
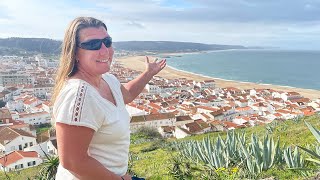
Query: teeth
x=102, y=60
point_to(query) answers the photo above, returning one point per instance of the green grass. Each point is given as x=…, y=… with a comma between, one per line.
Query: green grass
x=43, y=128
x=153, y=165
x=23, y=174
x=289, y=132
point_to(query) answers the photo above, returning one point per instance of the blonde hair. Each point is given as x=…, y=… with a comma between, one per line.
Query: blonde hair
x=68, y=66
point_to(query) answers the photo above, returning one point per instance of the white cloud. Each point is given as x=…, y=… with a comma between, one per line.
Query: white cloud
x=243, y=22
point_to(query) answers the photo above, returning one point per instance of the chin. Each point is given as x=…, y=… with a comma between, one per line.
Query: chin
x=105, y=70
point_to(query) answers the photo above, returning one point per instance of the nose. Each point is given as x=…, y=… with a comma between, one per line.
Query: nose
x=104, y=50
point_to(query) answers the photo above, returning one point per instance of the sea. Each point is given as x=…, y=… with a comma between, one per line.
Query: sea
x=292, y=68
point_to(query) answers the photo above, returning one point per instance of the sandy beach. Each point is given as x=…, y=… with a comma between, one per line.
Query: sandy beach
x=137, y=63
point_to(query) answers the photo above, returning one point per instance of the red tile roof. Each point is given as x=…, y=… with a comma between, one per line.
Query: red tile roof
x=15, y=156
x=293, y=94
x=193, y=127
x=183, y=118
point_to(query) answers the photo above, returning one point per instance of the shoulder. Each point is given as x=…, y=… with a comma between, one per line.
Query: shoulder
x=75, y=91
x=72, y=88
x=112, y=78
x=77, y=105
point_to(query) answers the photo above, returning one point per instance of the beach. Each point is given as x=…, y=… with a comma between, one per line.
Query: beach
x=137, y=63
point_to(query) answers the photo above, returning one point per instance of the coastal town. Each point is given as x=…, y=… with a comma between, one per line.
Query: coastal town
x=176, y=108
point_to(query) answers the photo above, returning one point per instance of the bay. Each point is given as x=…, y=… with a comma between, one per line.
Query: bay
x=279, y=67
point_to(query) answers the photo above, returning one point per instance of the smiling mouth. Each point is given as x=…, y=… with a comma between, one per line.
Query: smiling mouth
x=103, y=61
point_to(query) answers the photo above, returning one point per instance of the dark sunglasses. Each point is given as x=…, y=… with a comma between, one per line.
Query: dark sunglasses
x=95, y=44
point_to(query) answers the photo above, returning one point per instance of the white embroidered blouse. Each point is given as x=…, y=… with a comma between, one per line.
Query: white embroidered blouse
x=80, y=104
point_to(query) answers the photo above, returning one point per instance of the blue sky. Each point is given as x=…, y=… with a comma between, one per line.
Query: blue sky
x=289, y=24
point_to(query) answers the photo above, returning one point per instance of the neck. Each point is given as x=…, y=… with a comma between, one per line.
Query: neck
x=94, y=80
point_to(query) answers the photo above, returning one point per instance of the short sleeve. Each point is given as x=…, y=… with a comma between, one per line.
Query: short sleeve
x=75, y=106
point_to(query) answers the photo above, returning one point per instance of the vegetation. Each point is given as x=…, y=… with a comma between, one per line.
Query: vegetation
x=49, y=169
x=30, y=173
x=43, y=127
x=145, y=134
x=31, y=45
x=22, y=46
x=282, y=150
x=251, y=153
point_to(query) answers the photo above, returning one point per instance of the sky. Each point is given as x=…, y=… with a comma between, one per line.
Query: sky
x=287, y=24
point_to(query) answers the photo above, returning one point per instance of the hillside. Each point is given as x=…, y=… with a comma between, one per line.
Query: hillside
x=13, y=46
x=165, y=163
x=35, y=45
x=158, y=159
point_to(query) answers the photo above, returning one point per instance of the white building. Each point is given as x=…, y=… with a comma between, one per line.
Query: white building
x=206, y=84
x=166, y=131
x=42, y=90
x=15, y=139
x=206, y=110
x=6, y=96
x=31, y=102
x=180, y=132
x=153, y=89
x=134, y=110
x=15, y=106
x=196, y=127
x=46, y=106
x=18, y=160
x=40, y=148
x=36, y=118
x=52, y=147
x=244, y=111
x=290, y=95
x=15, y=78
x=315, y=105
x=152, y=120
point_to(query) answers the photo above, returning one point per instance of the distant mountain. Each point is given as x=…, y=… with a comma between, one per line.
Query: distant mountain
x=49, y=46
x=36, y=45
x=170, y=46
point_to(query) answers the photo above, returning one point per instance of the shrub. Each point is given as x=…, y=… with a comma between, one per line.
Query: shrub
x=148, y=133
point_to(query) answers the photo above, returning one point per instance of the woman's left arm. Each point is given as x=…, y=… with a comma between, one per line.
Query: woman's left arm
x=133, y=88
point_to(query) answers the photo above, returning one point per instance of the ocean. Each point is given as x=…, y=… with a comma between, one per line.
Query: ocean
x=278, y=67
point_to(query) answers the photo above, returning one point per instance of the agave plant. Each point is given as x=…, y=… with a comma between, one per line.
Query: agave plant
x=315, y=155
x=50, y=168
x=266, y=153
x=233, y=151
x=293, y=159
x=259, y=156
x=221, y=153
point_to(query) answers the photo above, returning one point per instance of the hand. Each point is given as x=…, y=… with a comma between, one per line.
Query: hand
x=127, y=177
x=155, y=67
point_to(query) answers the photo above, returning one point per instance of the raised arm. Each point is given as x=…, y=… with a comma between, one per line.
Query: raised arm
x=73, y=153
x=133, y=88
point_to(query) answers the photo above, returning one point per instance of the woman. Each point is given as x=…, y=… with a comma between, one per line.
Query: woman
x=92, y=124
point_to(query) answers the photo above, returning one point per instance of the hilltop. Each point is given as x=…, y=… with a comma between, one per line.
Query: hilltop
x=16, y=45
